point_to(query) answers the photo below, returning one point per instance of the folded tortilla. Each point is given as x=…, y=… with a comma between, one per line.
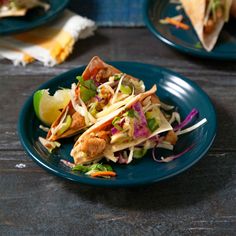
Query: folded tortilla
x=233, y=9
x=196, y=11
x=106, y=148
x=21, y=7
x=100, y=72
x=13, y=12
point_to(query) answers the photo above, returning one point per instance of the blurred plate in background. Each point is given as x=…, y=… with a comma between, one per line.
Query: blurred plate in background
x=34, y=18
x=186, y=40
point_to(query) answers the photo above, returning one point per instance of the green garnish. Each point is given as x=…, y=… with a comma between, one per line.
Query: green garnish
x=88, y=88
x=152, y=124
x=139, y=152
x=153, y=119
x=198, y=45
x=117, y=77
x=216, y=4
x=93, y=111
x=81, y=168
x=108, y=167
x=125, y=89
x=115, y=120
x=130, y=113
x=97, y=166
x=115, y=123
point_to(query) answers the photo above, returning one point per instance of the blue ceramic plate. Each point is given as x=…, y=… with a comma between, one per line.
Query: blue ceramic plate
x=34, y=18
x=172, y=88
x=187, y=40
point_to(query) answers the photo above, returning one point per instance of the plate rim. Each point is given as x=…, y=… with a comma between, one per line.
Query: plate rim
x=41, y=22
x=96, y=181
x=189, y=51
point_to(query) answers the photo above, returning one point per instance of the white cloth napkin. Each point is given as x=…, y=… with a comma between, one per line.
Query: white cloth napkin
x=51, y=44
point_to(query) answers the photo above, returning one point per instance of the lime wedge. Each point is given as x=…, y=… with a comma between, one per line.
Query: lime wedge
x=47, y=107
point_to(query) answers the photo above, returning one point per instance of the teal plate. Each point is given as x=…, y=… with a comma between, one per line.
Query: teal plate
x=186, y=40
x=34, y=18
x=172, y=88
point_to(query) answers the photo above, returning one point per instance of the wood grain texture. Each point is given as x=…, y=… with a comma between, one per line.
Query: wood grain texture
x=201, y=201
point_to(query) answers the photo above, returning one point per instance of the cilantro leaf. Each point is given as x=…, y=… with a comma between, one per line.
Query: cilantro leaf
x=88, y=88
x=81, y=168
x=131, y=113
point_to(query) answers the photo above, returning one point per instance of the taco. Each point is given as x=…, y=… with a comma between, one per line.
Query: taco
x=208, y=18
x=101, y=90
x=124, y=129
x=10, y=8
x=233, y=9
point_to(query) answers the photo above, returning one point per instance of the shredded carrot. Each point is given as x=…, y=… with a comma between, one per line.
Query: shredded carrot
x=177, y=23
x=103, y=173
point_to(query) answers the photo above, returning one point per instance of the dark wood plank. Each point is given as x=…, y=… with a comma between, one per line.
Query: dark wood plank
x=218, y=79
x=199, y=201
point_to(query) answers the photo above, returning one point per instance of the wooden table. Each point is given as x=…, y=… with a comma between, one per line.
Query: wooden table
x=200, y=201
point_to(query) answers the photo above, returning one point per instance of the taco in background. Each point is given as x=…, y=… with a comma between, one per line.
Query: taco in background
x=9, y=8
x=100, y=90
x=233, y=8
x=124, y=129
x=208, y=18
